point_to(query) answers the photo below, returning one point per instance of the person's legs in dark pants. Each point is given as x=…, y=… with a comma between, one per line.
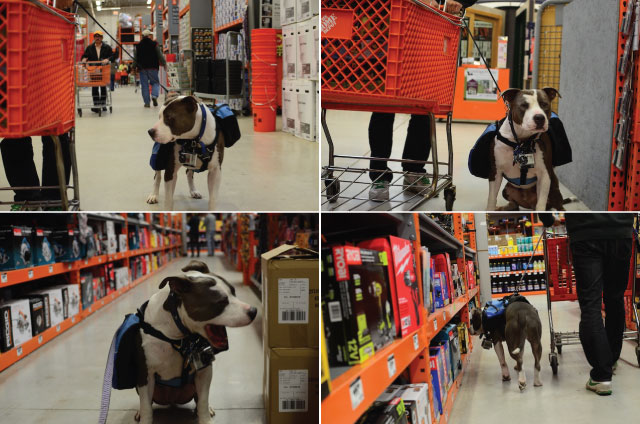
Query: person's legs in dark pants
x=113, y=82
x=616, y=273
x=417, y=146
x=49, y=168
x=103, y=97
x=95, y=92
x=380, y=142
x=17, y=158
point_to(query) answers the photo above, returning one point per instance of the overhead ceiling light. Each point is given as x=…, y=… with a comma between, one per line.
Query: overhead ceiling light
x=98, y=2
x=110, y=8
x=99, y=8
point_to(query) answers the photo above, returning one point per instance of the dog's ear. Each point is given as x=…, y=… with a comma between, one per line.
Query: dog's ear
x=552, y=93
x=231, y=288
x=510, y=94
x=191, y=103
x=196, y=266
x=177, y=284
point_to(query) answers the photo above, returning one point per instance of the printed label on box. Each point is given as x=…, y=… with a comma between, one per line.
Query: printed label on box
x=335, y=314
x=293, y=300
x=293, y=390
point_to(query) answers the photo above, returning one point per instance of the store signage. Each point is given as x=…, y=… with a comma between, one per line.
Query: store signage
x=337, y=23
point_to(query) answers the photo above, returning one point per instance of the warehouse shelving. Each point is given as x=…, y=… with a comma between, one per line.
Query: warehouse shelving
x=72, y=269
x=357, y=387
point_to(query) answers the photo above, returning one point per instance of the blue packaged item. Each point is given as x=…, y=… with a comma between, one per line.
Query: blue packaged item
x=43, y=250
x=66, y=245
x=438, y=295
x=16, y=248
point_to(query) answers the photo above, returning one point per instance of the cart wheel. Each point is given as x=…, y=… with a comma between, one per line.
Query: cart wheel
x=638, y=354
x=554, y=363
x=559, y=346
x=100, y=112
x=449, y=198
x=80, y=112
x=110, y=109
x=333, y=189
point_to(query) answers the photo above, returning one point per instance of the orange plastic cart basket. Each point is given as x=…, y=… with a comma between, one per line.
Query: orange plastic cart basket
x=92, y=74
x=378, y=55
x=36, y=70
x=562, y=285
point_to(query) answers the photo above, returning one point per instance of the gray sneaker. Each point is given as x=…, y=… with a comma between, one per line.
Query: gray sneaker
x=603, y=388
x=379, y=191
x=420, y=182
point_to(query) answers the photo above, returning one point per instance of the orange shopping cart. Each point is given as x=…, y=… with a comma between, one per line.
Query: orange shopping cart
x=36, y=85
x=92, y=74
x=394, y=56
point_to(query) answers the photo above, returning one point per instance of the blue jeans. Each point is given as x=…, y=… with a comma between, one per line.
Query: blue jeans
x=149, y=76
x=211, y=244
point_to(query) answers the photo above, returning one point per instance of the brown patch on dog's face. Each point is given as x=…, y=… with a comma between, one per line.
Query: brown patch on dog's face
x=180, y=115
x=476, y=322
x=196, y=266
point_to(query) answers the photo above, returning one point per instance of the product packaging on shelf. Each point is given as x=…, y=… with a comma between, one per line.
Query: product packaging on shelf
x=56, y=304
x=325, y=377
x=405, y=292
x=288, y=13
x=307, y=49
x=463, y=337
x=392, y=412
x=289, y=51
x=306, y=9
x=122, y=277
x=291, y=386
x=305, y=122
x=66, y=245
x=471, y=275
x=358, y=304
x=38, y=318
x=416, y=403
x=86, y=286
x=43, y=250
x=427, y=289
x=20, y=314
x=112, y=239
x=6, y=337
x=440, y=298
x=437, y=380
x=122, y=242
x=442, y=263
x=70, y=299
x=16, y=248
x=290, y=297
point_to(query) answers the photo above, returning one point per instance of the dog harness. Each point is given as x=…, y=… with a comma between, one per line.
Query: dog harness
x=195, y=148
x=494, y=316
x=522, y=151
x=120, y=372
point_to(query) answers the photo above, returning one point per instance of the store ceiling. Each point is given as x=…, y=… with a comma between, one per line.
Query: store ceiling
x=117, y=3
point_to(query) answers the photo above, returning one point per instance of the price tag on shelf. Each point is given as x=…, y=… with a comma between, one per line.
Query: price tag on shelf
x=19, y=351
x=40, y=339
x=100, y=259
x=416, y=342
x=435, y=324
x=73, y=320
x=4, y=277
x=102, y=302
x=391, y=365
x=444, y=315
x=50, y=269
x=86, y=261
x=446, y=416
x=90, y=308
x=30, y=273
x=69, y=266
x=356, y=392
x=58, y=328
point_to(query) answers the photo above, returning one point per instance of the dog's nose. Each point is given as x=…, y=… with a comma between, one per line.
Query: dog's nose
x=152, y=133
x=539, y=119
x=252, y=313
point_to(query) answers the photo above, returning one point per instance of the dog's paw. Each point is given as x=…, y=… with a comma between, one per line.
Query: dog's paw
x=537, y=383
x=196, y=194
x=211, y=411
x=205, y=420
x=137, y=417
x=522, y=385
x=506, y=377
x=152, y=199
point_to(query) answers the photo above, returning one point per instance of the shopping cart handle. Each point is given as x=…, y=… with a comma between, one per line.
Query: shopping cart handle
x=442, y=14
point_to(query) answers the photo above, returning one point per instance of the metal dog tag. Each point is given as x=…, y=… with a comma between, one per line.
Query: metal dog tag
x=203, y=358
x=487, y=344
x=531, y=161
x=190, y=159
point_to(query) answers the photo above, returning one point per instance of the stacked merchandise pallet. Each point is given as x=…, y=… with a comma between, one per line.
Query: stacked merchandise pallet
x=58, y=269
x=396, y=295
x=300, y=88
x=232, y=47
x=516, y=254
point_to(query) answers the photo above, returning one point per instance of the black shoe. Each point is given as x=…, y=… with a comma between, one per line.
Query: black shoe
x=146, y=105
x=155, y=101
x=104, y=108
x=95, y=110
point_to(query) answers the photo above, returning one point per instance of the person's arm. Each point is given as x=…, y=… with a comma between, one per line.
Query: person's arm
x=85, y=56
x=160, y=55
x=548, y=219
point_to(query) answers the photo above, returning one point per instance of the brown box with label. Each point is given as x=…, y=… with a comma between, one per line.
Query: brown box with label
x=290, y=297
x=291, y=386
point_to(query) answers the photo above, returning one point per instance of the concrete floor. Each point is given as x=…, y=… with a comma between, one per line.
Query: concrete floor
x=349, y=134
x=260, y=172
x=62, y=381
x=484, y=398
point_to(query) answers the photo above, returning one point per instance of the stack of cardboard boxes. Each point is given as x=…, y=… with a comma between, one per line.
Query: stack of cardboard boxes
x=290, y=292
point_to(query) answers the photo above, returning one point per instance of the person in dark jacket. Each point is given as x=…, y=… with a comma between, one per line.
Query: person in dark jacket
x=194, y=234
x=98, y=52
x=148, y=57
x=417, y=145
x=601, y=245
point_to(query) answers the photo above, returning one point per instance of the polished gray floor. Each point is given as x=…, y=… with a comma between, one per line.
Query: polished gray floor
x=61, y=382
x=483, y=397
x=349, y=134
x=260, y=172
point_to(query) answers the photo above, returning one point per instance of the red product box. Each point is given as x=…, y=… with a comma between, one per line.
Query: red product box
x=404, y=283
x=442, y=263
x=471, y=275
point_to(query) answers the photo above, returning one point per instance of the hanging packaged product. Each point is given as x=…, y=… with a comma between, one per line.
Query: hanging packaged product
x=357, y=301
x=16, y=248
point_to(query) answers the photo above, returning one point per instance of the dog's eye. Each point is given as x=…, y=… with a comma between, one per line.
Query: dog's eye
x=524, y=105
x=544, y=105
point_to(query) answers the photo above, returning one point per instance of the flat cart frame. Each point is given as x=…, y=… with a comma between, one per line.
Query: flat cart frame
x=561, y=286
x=370, y=64
x=92, y=74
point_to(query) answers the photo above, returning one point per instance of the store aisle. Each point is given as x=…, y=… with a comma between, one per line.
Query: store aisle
x=259, y=171
x=62, y=381
x=484, y=398
x=349, y=134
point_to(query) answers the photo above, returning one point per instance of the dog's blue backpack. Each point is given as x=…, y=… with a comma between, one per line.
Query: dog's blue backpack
x=227, y=122
x=495, y=308
x=124, y=370
x=480, y=155
x=160, y=156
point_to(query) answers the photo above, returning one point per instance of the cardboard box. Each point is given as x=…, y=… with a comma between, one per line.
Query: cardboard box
x=405, y=292
x=290, y=294
x=70, y=298
x=289, y=105
x=86, y=287
x=56, y=304
x=43, y=250
x=306, y=9
x=122, y=277
x=66, y=245
x=20, y=313
x=122, y=243
x=358, y=299
x=307, y=50
x=16, y=248
x=6, y=328
x=289, y=51
x=307, y=116
x=393, y=412
x=291, y=386
x=437, y=380
x=38, y=318
x=416, y=403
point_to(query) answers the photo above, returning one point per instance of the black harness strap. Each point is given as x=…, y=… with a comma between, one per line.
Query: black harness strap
x=519, y=147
